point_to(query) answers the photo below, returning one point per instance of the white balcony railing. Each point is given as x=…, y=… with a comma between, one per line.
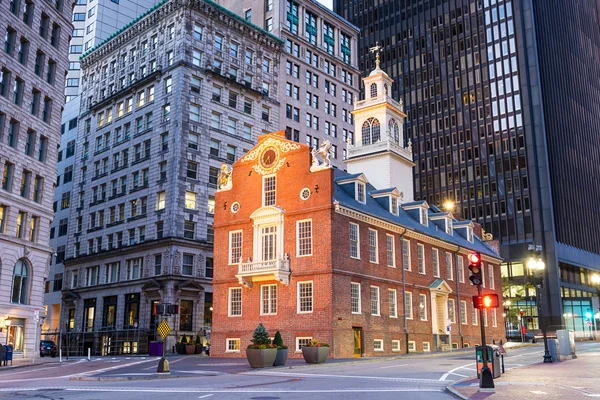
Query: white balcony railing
x=278, y=270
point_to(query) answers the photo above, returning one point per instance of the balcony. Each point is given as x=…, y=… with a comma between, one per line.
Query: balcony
x=278, y=270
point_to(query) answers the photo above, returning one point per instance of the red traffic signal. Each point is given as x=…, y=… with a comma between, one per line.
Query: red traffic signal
x=476, y=277
x=486, y=301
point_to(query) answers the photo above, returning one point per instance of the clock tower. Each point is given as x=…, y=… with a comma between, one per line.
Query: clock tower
x=381, y=151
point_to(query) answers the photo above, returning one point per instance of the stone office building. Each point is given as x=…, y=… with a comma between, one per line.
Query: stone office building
x=33, y=63
x=159, y=117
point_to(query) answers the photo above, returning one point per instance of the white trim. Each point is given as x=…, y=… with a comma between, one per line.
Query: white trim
x=378, y=300
x=231, y=261
x=227, y=340
x=491, y=278
x=298, y=338
x=264, y=178
x=426, y=347
x=312, y=296
x=229, y=302
x=270, y=299
x=449, y=266
x=390, y=291
x=395, y=341
x=420, y=261
x=435, y=261
x=359, y=298
x=357, y=240
x=388, y=237
x=375, y=341
x=463, y=312
x=357, y=191
x=412, y=346
x=376, y=261
x=452, y=315
x=406, y=267
x=409, y=314
x=461, y=269
x=421, y=297
x=298, y=237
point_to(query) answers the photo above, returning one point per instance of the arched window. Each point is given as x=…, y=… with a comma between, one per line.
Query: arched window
x=20, y=283
x=394, y=131
x=373, y=90
x=371, y=131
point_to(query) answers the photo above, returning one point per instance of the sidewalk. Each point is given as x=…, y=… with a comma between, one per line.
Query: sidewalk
x=572, y=379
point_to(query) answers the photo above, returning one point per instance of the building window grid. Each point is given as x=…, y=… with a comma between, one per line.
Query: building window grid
x=421, y=258
x=304, y=235
x=375, y=306
x=235, y=302
x=355, y=298
x=393, y=303
x=268, y=301
x=373, y=248
x=305, y=297
x=391, y=251
x=354, y=241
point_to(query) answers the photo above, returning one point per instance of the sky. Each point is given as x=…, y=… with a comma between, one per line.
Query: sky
x=327, y=3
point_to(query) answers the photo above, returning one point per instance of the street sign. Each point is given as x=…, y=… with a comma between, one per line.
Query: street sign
x=163, y=328
x=589, y=323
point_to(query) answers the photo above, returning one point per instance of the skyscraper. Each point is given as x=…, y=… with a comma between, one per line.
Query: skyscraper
x=33, y=64
x=500, y=97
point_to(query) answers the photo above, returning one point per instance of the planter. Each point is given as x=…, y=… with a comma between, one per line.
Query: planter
x=281, y=357
x=190, y=349
x=315, y=354
x=180, y=348
x=198, y=349
x=260, y=358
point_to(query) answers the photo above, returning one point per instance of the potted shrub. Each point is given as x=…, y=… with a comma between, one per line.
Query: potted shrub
x=180, y=346
x=198, y=345
x=282, y=351
x=189, y=347
x=261, y=353
x=315, y=352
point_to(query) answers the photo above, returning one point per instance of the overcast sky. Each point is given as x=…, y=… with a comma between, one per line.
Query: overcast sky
x=328, y=3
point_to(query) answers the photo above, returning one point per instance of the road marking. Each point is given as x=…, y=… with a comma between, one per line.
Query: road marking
x=537, y=392
x=27, y=371
x=451, y=372
x=394, y=366
x=212, y=391
x=205, y=396
x=380, y=378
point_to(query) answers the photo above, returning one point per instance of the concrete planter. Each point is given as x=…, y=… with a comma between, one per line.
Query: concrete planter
x=281, y=358
x=190, y=349
x=260, y=358
x=198, y=349
x=315, y=354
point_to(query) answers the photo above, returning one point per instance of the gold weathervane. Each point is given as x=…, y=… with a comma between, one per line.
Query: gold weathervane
x=375, y=49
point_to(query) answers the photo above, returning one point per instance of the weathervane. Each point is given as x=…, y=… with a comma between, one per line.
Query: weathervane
x=375, y=49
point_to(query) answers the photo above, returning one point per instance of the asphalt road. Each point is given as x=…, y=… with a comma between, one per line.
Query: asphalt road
x=196, y=377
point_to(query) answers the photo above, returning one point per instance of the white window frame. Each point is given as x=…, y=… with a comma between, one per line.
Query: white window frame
x=231, y=233
x=452, y=306
x=475, y=316
x=312, y=295
x=229, y=302
x=361, y=195
x=421, y=259
x=357, y=240
x=378, y=300
x=395, y=345
x=228, y=340
x=491, y=280
x=463, y=313
x=423, y=217
x=426, y=347
x=494, y=318
x=355, y=284
x=482, y=275
x=310, y=239
x=373, y=246
x=298, y=339
x=406, y=265
x=271, y=301
x=423, y=305
x=389, y=240
x=435, y=262
x=377, y=342
x=412, y=346
x=264, y=192
x=394, y=205
x=449, y=266
x=461, y=269
x=393, y=305
x=408, y=304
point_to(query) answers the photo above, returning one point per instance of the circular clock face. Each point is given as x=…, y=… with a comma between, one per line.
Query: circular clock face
x=268, y=158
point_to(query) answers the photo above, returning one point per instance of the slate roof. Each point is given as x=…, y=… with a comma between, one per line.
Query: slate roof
x=345, y=196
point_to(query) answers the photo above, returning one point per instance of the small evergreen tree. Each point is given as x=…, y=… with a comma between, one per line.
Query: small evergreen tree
x=184, y=339
x=278, y=340
x=198, y=341
x=260, y=336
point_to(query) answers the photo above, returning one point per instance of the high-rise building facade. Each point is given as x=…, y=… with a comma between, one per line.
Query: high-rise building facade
x=488, y=114
x=33, y=66
x=318, y=67
x=93, y=22
x=140, y=227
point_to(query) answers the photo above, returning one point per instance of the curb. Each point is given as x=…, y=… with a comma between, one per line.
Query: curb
x=450, y=388
x=141, y=378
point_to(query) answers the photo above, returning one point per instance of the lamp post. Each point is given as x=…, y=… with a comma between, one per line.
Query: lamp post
x=537, y=266
x=506, y=316
x=7, y=325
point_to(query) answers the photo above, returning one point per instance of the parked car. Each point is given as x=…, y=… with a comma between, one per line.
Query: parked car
x=48, y=348
x=514, y=335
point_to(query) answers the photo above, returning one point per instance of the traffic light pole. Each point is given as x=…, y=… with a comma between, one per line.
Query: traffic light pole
x=486, y=380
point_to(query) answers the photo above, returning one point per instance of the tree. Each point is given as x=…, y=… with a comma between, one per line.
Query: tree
x=260, y=336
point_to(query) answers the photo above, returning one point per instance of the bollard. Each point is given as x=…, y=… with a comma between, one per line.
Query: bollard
x=60, y=356
x=89, y=354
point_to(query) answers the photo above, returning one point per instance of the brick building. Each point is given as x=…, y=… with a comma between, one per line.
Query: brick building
x=317, y=252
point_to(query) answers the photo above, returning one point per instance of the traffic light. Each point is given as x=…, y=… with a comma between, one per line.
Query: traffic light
x=475, y=268
x=485, y=301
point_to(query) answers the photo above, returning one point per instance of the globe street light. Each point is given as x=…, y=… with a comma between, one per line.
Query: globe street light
x=536, y=265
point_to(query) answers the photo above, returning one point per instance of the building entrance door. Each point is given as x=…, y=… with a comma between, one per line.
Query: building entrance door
x=357, y=342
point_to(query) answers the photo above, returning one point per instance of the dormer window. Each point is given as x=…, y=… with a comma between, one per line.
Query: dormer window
x=269, y=190
x=470, y=234
x=360, y=192
x=394, y=205
x=449, y=226
x=424, y=220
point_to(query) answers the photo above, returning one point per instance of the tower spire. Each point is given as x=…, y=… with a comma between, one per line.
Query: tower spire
x=375, y=49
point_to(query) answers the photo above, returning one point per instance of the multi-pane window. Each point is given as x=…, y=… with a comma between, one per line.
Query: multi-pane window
x=268, y=238
x=134, y=268
x=190, y=200
x=435, y=264
x=377, y=344
x=460, y=270
x=449, y=269
x=189, y=229
x=494, y=320
x=269, y=190
x=305, y=297
x=393, y=306
x=423, y=307
x=355, y=298
x=451, y=311
x=268, y=299
x=421, y=258
x=354, y=241
x=375, y=310
x=491, y=282
x=395, y=345
x=112, y=272
x=408, y=305
x=304, y=238
x=360, y=192
x=235, y=302
x=328, y=38
x=406, y=254
x=345, y=48
x=474, y=315
x=157, y=264
x=391, y=250
x=187, y=264
x=235, y=247
x=310, y=27
x=233, y=345
x=292, y=16
x=463, y=312
x=373, y=251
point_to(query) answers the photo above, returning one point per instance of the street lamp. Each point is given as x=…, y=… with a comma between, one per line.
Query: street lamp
x=449, y=205
x=536, y=265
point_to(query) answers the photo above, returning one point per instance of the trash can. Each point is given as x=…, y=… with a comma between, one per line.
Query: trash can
x=493, y=360
x=1, y=355
x=156, y=349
